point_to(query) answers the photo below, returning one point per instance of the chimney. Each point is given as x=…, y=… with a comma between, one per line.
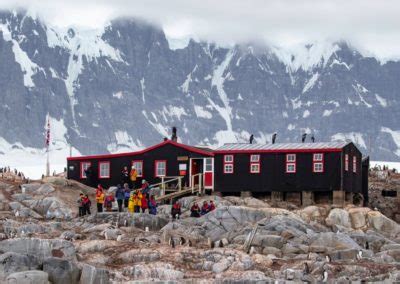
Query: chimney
x=273, y=138
x=251, y=139
x=165, y=139
x=174, y=137
x=303, y=137
x=312, y=138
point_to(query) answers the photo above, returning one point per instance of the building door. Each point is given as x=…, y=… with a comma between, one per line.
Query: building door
x=195, y=169
x=208, y=173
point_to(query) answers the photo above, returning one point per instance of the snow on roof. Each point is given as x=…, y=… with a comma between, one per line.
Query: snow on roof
x=281, y=146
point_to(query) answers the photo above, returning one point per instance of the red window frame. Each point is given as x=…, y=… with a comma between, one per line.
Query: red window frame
x=109, y=169
x=81, y=169
x=140, y=162
x=255, y=162
x=346, y=162
x=156, y=162
x=228, y=163
x=318, y=161
x=290, y=163
x=354, y=164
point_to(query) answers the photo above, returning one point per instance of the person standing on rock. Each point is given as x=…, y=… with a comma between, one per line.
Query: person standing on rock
x=86, y=205
x=133, y=177
x=144, y=204
x=120, y=197
x=127, y=194
x=99, y=199
x=131, y=203
x=195, y=210
x=138, y=201
x=152, y=206
x=80, y=205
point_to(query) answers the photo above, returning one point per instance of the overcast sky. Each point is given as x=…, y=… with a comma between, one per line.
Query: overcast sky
x=371, y=26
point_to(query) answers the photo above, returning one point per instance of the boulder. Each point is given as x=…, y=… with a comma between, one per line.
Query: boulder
x=140, y=255
x=61, y=271
x=221, y=266
x=382, y=224
x=358, y=217
x=95, y=246
x=11, y=262
x=336, y=241
x=30, y=187
x=41, y=248
x=338, y=217
x=28, y=277
x=94, y=275
x=44, y=189
x=268, y=241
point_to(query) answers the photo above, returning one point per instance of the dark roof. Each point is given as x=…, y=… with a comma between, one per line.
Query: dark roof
x=183, y=146
x=277, y=147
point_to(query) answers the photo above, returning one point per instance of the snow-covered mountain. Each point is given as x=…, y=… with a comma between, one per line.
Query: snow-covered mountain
x=123, y=87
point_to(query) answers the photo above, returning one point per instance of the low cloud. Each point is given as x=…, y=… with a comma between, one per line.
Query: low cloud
x=370, y=25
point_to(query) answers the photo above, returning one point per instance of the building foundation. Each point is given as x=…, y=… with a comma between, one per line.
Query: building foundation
x=307, y=198
x=338, y=197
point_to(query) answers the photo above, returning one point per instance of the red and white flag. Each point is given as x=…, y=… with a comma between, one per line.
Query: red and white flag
x=48, y=133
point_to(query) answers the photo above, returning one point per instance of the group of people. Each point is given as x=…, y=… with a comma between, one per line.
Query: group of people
x=196, y=211
x=84, y=204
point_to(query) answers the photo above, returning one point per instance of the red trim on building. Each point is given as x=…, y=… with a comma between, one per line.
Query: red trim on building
x=294, y=151
x=81, y=169
x=109, y=169
x=322, y=162
x=156, y=162
x=141, y=162
x=107, y=156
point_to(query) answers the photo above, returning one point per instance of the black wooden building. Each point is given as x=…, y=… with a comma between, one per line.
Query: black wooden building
x=288, y=167
x=166, y=159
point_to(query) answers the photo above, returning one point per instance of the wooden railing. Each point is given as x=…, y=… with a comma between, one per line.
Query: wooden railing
x=168, y=180
x=197, y=187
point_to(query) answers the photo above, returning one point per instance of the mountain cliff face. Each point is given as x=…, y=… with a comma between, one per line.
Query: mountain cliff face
x=124, y=87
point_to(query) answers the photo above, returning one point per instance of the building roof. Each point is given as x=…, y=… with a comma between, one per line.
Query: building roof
x=107, y=156
x=282, y=147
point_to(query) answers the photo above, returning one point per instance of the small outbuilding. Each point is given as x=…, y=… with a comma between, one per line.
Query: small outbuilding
x=305, y=172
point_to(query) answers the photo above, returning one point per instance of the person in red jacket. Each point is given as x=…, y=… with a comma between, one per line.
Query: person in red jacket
x=205, y=208
x=212, y=205
x=195, y=210
x=144, y=203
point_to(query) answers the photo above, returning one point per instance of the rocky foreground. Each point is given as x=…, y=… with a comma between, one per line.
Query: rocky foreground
x=43, y=241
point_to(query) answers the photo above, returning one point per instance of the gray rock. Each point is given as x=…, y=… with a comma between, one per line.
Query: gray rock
x=28, y=277
x=221, y=266
x=11, y=262
x=41, y=248
x=61, y=271
x=94, y=275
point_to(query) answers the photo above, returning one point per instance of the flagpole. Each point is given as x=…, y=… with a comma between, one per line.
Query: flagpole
x=47, y=147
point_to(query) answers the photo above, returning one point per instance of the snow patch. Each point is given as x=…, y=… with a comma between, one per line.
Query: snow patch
x=306, y=57
x=202, y=113
x=360, y=90
x=311, y=82
x=32, y=161
x=355, y=137
x=218, y=80
x=381, y=100
x=123, y=142
x=185, y=86
x=28, y=67
x=395, y=136
x=337, y=62
x=291, y=127
x=327, y=112
x=177, y=43
x=118, y=95
x=306, y=113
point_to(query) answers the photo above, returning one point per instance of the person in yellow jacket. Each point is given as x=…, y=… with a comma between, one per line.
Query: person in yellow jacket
x=133, y=176
x=131, y=203
x=100, y=200
x=138, y=201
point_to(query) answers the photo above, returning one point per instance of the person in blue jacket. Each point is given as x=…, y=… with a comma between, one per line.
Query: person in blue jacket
x=152, y=205
x=119, y=196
